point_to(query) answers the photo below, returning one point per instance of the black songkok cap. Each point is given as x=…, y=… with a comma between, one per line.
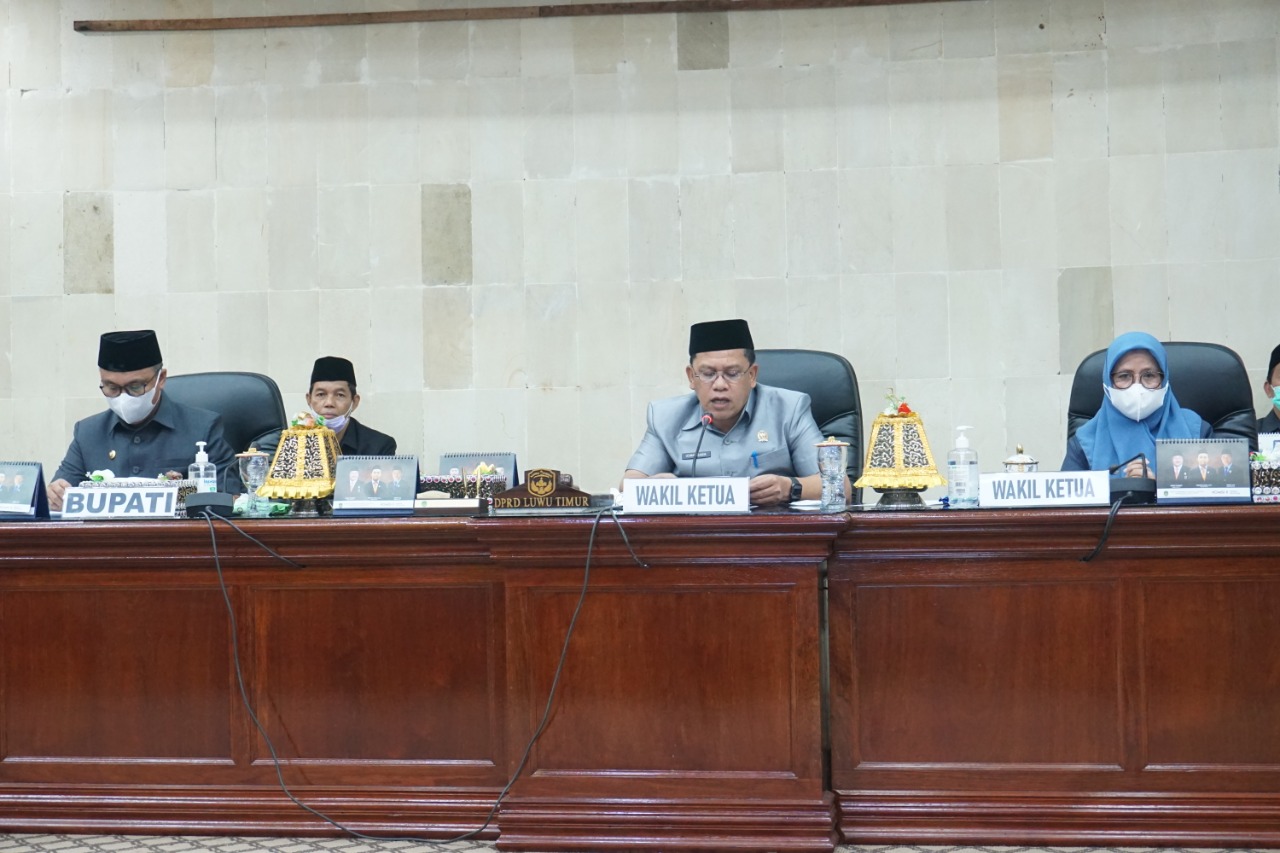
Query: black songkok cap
x=719, y=335
x=125, y=352
x=1275, y=359
x=331, y=368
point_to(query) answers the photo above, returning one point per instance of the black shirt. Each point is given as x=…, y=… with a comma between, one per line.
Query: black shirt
x=166, y=442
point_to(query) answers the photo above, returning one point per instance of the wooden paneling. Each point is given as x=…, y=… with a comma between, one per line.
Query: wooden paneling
x=986, y=685
x=401, y=671
x=88, y=672
x=993, y=674
x=1211, y=674
x=989, y=687
x=678, y=715
x=689, y=714
x=424, y=662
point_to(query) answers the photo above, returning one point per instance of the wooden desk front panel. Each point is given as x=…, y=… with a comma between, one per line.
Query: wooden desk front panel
x=402, y=670
x=377, y=670
x=988, y=687
x=688, y=714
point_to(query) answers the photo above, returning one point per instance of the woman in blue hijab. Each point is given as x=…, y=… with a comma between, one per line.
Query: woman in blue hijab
x=1138, y=407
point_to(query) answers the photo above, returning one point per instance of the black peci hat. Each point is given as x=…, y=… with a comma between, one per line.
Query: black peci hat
x=719, y=335
x=125, y=352
x=331, y=368
x=1275, y=359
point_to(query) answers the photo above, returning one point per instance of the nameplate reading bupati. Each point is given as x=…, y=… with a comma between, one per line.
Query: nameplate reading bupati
x=131, y=502
x=689, y=495
x=1044, y=488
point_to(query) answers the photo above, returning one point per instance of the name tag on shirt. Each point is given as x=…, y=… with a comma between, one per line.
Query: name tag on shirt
x=687, y=495
x=705, y=454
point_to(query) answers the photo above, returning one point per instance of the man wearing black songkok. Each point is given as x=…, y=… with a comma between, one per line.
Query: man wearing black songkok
x=757, y=431
x=143, y=433
x=333, y=396
x=1270, y=422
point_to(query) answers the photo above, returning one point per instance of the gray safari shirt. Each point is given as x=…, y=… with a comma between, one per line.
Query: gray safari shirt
x=776, y=434
x=167, y=442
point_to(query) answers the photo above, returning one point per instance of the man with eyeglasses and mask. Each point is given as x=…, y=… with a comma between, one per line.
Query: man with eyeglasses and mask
x=1138, y=407
x=731, y=426
x=143, y=433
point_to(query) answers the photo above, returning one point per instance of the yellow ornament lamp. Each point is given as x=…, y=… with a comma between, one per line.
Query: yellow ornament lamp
x=304, y=465
x=899, y=463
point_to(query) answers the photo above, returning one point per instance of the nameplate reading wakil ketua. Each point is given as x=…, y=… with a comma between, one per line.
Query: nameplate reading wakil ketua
x=1045, y=488
x=689, y=495
x=124, y=502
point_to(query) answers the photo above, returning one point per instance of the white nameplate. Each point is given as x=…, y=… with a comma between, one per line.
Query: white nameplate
x=1045, y=488
x=687, y=495
x=128, y=502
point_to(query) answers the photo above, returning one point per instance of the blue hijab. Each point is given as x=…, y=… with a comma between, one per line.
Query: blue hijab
x=1110, y=438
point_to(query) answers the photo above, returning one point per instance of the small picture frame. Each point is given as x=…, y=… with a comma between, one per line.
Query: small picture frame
x=1202, y=471
x=375, y=485
x=22, y=494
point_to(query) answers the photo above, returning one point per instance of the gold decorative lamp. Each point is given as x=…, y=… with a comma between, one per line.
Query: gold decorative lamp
x=304, y=465
x=899, y=462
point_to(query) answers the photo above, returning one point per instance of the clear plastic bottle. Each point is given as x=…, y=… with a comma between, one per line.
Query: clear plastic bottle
x=962, y=472
x=203, y=472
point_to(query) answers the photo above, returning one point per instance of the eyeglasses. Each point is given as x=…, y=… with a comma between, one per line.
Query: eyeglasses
x=732, y=375
x=1150, y=379
x=133, y=389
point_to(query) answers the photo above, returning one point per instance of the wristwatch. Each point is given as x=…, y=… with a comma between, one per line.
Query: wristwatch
x=797, y=490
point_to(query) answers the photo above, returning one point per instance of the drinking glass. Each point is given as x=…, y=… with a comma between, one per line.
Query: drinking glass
x=833, y=458
x=253, y=473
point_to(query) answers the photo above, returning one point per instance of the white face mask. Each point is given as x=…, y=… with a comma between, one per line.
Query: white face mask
x=336, y=422
x=132, y=410
x=1136, y=402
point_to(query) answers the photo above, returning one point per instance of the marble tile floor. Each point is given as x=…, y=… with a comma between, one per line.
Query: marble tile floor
x=53, y=843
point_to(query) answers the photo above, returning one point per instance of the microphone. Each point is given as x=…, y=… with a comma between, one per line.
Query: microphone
x=1116, y=467
x=1132, y=490
x=706, y=422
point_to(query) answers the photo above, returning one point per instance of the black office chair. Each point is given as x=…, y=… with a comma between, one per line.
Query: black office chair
x=832, y=387
x=1208, y=379
x=250, y=403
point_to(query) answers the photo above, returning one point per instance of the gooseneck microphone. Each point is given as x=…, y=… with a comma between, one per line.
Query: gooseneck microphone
x=706, y=422
x=1132, y=490
x=1116, y=467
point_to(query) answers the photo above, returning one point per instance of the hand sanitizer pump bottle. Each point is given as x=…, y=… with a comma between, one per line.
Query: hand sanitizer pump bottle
x=203, y=472
x=962, y=472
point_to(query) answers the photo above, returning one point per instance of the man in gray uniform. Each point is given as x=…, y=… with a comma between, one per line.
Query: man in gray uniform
x=730, y=426
x=143, y=433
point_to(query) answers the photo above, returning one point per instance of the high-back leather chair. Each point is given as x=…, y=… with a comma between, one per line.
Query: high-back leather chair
x=250, y=403
x=1208, y=379
x=832, y=387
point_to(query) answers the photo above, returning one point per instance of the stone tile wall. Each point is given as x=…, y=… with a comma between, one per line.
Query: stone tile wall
x=509, y=225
